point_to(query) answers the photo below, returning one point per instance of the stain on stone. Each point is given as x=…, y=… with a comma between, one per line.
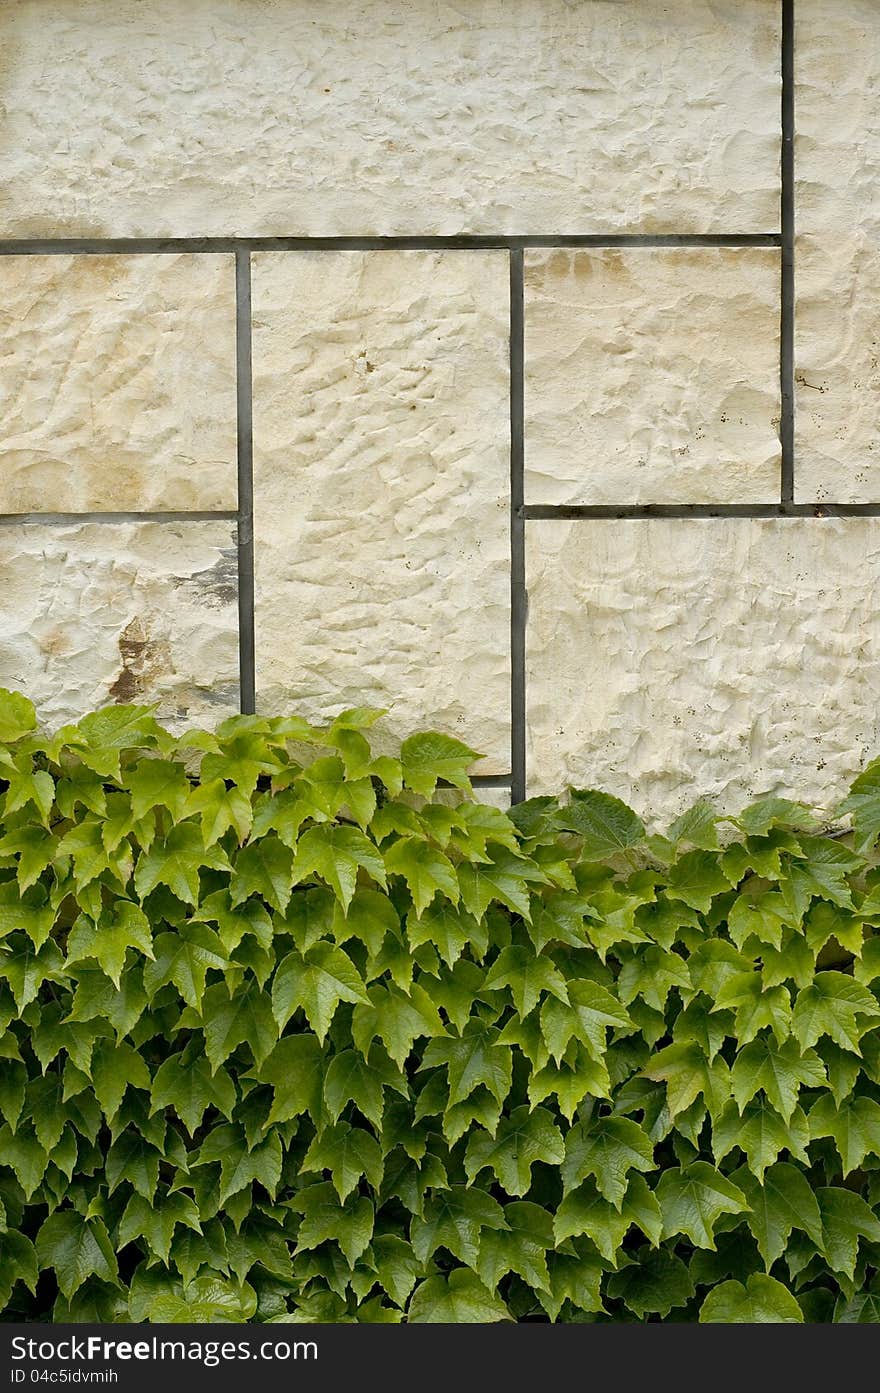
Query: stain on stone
x=143, y=660
x=218, y=584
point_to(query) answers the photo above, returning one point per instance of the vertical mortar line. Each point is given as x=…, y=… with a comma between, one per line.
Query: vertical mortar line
x=518, y=598
x=786, y=338
x=245, y=436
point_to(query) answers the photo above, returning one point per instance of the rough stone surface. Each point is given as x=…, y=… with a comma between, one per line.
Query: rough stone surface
x=96, y=612
x=117, y=383
x=730, y=658
x=381, y=477
x=652, y=375
x=269, y=117
x=837, y=258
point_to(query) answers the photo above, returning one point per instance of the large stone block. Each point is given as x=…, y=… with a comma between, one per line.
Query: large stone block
x=268, y=117
x=652, y=375
x=381, y=478
x=837, y=257
x=99, y=612
x=117, y=383
x=727, y=658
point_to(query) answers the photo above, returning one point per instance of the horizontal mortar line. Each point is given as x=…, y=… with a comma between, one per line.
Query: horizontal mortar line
x=95, y=246
x=481, y=781
x=533, y=512
x=34, y=519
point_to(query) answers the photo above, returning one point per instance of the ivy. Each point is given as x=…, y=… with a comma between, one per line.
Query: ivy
x=290, y=1030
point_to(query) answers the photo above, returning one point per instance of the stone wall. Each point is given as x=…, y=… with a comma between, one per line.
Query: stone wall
x=510, y=363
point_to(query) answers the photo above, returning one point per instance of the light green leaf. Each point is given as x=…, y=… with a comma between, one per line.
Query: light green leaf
x=780, y=1070
x=335, y=853
x=696, y=879
x=316, y=981
x=693, y=1198
x=429, y=756
x=760, y=1133
x=459, y=1299
x=347, y=1153
x=831, y=1006
x=122, y=926
x=762, y=1300
x=854, y=1125
x=607, y=1148
x=779, y=1202
x=590, y=1011
x=425, y=869
x=523, y=1138
x=17, y=716
x=527, y=976
x=265, y=869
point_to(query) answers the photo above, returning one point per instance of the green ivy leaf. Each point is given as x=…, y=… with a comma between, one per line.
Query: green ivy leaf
x=780, y=1201
x=605, y=823
x=426, y=871
x=760, y=1133
x=326, y=1217
x=522, y=1139
x=846, y=1219
x=17, y=716
x=693, y=1198
x=854, y=1125
x=655, y=1284
x=347, y=1153
x=607, y=1148
x=75, y=1248
x=190, y=1087
x=762, y=1300
x=831, y=1006
x=428, y=757
x=527, y=977
x=120, y=927
x=315, y=981
x=461, y=1298
x=780, y=1070
x=454, y=1219
x=584, y=1213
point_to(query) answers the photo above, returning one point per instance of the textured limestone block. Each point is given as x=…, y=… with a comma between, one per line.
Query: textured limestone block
x=837, y=255
x=93, y=613
x=727, y=658
x=652, y=375
x=117, y=383
x=387, y=116
x=381, y=478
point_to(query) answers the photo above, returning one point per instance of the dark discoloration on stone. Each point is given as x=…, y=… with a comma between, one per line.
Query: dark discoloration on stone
x=218, y=585
x=143, y=660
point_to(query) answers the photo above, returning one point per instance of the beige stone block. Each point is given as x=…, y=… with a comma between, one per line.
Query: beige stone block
x=652, y=375
x=97, y=612
x=837, y=253
x=279, y=117
x=381, y=489
x=727, y=658
x=117, y=383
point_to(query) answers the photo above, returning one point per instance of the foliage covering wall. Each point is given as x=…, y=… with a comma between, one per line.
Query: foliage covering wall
x=289, y=1033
